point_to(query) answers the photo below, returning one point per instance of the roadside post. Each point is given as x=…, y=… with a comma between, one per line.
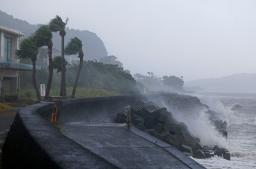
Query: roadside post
x=54, y=114
x=129, y=117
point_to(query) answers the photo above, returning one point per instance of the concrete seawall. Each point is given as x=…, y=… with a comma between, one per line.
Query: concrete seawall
x=33, y=142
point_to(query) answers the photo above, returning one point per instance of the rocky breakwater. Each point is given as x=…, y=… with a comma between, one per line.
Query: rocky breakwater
x=162, y=123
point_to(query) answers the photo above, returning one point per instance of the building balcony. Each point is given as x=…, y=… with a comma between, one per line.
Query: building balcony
x=15, y=66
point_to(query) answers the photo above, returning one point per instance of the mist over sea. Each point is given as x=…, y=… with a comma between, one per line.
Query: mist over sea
x=240, y=113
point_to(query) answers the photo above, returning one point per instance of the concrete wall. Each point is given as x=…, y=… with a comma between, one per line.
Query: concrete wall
x=33, y=142
x=103, y=109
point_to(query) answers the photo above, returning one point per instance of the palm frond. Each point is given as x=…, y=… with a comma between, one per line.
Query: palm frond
x=73, y=46
x=28, y=49
x=43, y=36
x=57, y=24
x=57, y=63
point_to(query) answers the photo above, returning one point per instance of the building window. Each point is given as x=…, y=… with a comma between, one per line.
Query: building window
x=8, y=49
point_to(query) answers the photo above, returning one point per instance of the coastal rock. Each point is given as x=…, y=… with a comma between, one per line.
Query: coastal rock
x=199, y=154
x=160, y=123
x=221, y=152
x=120, y=118
x=221, y=126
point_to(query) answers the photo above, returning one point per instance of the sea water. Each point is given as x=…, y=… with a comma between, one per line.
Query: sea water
x=241, y=114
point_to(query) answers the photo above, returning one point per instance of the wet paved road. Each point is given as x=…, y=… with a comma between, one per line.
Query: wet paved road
x=127, y=149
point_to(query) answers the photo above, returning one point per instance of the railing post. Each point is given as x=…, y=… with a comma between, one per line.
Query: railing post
x=129, y=117
x=54, y=114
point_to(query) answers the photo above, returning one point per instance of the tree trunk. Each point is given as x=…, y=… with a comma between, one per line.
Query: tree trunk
x=50, y=71
x=81, y=56
x=63, y=69
x=34, y=80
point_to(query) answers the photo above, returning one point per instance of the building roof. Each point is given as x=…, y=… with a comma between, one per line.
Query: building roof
x=11, y=31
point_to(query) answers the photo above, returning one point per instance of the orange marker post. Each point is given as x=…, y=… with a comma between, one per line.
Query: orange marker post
x=54, y=114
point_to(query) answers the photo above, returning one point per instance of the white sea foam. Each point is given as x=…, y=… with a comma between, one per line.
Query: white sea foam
x=220, y=163
x=241, y=137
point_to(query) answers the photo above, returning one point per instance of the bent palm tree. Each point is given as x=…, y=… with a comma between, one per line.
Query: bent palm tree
x=57, y=63
x=75, y=46
x=57, y=25
x=28, y=49
x=43, y=37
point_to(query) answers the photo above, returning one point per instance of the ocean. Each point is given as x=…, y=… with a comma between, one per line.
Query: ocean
x=240, y=112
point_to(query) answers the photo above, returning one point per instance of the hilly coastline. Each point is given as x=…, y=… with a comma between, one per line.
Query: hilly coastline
x=236, y=83
x=95, y=47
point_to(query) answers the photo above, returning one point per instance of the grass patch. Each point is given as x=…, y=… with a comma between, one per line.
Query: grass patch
x=5, y=107
x=29, y=94
x=86, y=92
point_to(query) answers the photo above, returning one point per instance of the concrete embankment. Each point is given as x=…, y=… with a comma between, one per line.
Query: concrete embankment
x=6, y=119
x=33, y=142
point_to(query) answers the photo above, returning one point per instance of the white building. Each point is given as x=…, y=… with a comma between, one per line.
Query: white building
x=72, y=59
x=9, y=63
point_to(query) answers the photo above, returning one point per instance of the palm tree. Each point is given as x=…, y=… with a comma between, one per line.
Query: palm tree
x=28, y=49
x=57, y=25
x=75, y=46
x=56, y=64
x=43, y=37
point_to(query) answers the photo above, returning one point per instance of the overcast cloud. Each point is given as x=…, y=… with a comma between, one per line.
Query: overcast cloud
x=193, y=38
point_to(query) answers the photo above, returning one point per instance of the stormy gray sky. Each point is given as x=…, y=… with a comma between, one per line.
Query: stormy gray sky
x=193, y=38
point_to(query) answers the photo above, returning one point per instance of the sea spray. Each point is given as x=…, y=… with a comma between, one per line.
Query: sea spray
x=200, y=126
x=240, y=113
x=222, y=112
x=197, y=119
